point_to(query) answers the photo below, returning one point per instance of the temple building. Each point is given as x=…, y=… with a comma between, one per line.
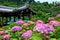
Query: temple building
x=10, y=13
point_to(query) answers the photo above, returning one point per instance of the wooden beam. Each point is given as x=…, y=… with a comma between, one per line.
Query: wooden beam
x=2, y=21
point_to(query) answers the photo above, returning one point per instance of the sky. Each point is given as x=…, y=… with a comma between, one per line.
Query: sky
x=50, y=1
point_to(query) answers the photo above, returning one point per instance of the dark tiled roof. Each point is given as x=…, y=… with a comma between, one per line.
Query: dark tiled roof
x=11, y=9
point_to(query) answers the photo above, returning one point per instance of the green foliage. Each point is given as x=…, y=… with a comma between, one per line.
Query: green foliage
x=8, y=27
x=57, y=18
x=52, y=39
x=52, y=35
x=36, y=36
x=31, y=26
x=57, y=33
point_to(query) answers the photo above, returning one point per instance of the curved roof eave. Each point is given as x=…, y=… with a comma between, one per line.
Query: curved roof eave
x=11, y=9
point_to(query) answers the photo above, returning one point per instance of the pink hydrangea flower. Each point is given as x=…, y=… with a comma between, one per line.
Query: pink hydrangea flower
x=26, y=24
x=57, y=24
x=27, y=34
x=54, y=23
x=51, y=18
x=31, y=22
x=16, y=28
x=6, y=36
x=6, y=31
x=58, y=15
x=20, y=22
x=37, y=27
x=1, y=32
x=44, y=28
x=39, y=22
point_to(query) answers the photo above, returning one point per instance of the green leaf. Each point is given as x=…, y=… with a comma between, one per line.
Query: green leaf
x=36, y=36
x=13, y=39
x=52, y=39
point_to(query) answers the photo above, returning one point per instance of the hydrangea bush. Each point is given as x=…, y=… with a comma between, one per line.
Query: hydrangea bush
x=30, y=30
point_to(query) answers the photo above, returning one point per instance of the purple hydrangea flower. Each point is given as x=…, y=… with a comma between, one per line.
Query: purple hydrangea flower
x=44, y=28
x=27, y=34
x=55, y=23
x=37, y=27
x=20, y=22
x=16, y=28
x=6, y=36
x=39, y=22
x=58, y=15
x=51, y=18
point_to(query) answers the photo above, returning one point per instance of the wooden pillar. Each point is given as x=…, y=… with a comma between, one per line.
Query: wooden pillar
x=29, y=15
x=6, y=20
x=14, y=18
x=2, y=21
